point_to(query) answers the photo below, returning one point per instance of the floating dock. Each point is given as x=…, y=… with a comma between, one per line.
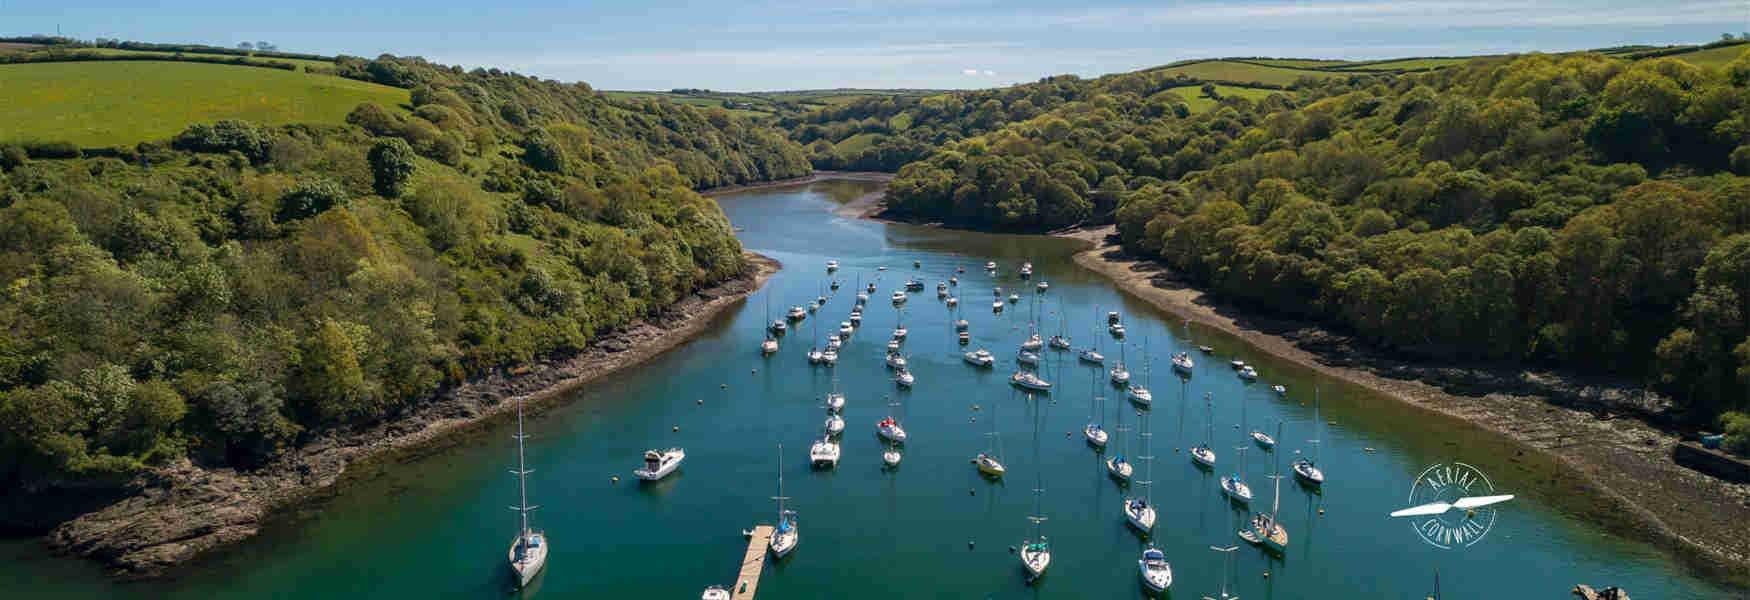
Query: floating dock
x=752, y=563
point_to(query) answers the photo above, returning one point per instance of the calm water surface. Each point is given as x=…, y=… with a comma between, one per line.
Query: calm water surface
x=437, y=527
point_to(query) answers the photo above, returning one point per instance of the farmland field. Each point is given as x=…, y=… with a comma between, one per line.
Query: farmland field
x=1222, y=70
x=1197, y=102
x=1713, y=57
x=1299, y=63
x=97, y=104
x=1411, y=64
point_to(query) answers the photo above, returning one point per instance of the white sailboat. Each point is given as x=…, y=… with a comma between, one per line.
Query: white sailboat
x=785, y=536
x=889, y=428
x=1029, y=380
x=1118, y=465
x=1248, y=373
x=1202, y=454
x=659, y=463
x=1036, y=550
x=1139, y=394
x=1306, y=469
x=989, y=462
x=1140, y=511
x=1119, y=374
x=835, y=424
x=770, y=345
x=715, y=592
x=835, y=401
x=1183, y=364
x=895, y=360
x=528, y=550
x=797, y=313
x=1234, y=484
x=1033, y=343
x=1027, y=358
x=1092, y=355
x=904, y=378
x=1093, y=431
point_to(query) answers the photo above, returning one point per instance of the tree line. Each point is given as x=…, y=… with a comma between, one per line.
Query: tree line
x=1579, y=211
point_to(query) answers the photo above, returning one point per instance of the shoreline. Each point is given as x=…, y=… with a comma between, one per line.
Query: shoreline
x=1622, y=464
x=878, y=176
x=176, y=514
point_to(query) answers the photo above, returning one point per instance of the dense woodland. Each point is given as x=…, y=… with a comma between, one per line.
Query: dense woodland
x=237, y=290
x=1579, y=210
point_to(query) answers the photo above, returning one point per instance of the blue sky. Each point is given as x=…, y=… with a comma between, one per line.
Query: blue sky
x=801, y=44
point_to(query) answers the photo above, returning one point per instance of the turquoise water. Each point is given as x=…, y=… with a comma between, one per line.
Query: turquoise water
x=437, y=526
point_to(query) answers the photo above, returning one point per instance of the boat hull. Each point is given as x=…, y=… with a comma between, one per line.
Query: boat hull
x=1143, y=520
x=532, y=560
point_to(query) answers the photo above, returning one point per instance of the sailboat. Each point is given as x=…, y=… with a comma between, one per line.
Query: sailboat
x=1262, y=439
x=1095, y=434
x=1265, y=529
x=528, y=550
x=1139, y=394
x=835, y=424
x=1226, y=566
x=899, y=330
x=835, y=401
x=1202, y=454
x=815, y=355
x=1234, y=484
x=1036, y=550
x=988, y=462
x=1119, y=374
x=770, y=345
x=890, y=430
x=1183, y=364
x=1092, y=355
x=1140, y=512
x=1117, y=465
x=824, y=453
x=786, y=536
x=1306, y=469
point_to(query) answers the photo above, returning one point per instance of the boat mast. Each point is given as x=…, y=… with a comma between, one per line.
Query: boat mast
x=1276, y=474
x=1317, y=422
x=1038, y=474
x=522, y=473
x=780, y=497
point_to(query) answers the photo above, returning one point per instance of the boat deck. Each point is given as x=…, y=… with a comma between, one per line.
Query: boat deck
x=752, y=563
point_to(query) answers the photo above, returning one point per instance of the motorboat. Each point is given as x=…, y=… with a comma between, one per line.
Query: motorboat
x=1013, y=298
x=824, y=454
x=989, y=465
x=898, y=297
x=659, y=463
x=904, y=378
x=835, y=401
x=835, y=424
x=899, y=332
x=895, y=361
x=813, y=306
x=1058, y=342
x=1237, y=364
x=832, y=265
x=980, y=358
x=1140, y=395
x=1182, y=363
x=889, y=429
x=778, y=326
x=715, y=592
x=862, y=299
x=996, y=306
x=955, y=280
x=1157, y=575
x=1033, y=343
x=1116, y=329
x=834, y=342
x=953, y=302
x=1088, y=355
x=1030, y=380
x=797, y=313
x=1026, y=270
x=1027, y=358
x=856, y=319
x=1042, y=286
x=769, y=346
x=1248, y=373
x=965, y=338
x=891, y=457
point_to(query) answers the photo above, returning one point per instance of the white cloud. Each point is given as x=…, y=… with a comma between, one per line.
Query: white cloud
x=989, y=73
x=969, y=72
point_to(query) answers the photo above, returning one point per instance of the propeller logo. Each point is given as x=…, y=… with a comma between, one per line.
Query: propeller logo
x=1452, y=505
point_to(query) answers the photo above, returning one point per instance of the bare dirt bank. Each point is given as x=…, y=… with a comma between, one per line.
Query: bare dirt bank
x=176, y=513
x=1625, y=474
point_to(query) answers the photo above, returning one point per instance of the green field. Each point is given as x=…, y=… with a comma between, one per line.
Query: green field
x=101, y=104
x=1411, y=64
x=1298, y=63
x=1713, y=57
x=858, y=143
x=1226, y=70
x=301, y=62
x=1197, y=102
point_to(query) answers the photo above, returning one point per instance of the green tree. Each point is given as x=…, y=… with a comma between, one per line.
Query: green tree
x=392, y=166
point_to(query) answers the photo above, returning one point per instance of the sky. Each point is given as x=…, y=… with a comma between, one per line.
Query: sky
x=750, y=45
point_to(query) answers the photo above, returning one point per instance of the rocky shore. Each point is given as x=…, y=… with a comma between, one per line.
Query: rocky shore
x=177, y=513
x=1604, y=433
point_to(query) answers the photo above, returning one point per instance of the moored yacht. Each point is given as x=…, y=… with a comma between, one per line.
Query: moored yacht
x=996, y=306
x=785, y=536
x=1157, y=575
x=1140, y=395
x=953, y=302
x=835, y=424
x=1027, y=358
x=830, y=358
x=1042, y=286
x=715, y=592
x=1236, y=489
x=778, y=326
x=1089, y=355
x=659, y=463
x=1058, y=342
x=1248, y=373
x=890, y=429
x=1119, y=374
x=1116, y=329
x=528, y=550
x=1026, y=270
x=797, y=313
x=980, y=358
x=904, y=378
x=1013, y=298
x=1119, y=467
x=990, y=266
x=824, y=454
x=893, y=346
x=898, y=297
x=1182, y=363
x=1033, y=343
x=769, y=346
x=1029, y=380
x=1140, y=514
x=846, y=328
x=989, y=465
x=1095, y=435
x=832, y=265
x=962, y=325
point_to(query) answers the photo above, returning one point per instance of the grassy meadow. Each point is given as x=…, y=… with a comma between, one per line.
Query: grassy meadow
x=101, y=104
